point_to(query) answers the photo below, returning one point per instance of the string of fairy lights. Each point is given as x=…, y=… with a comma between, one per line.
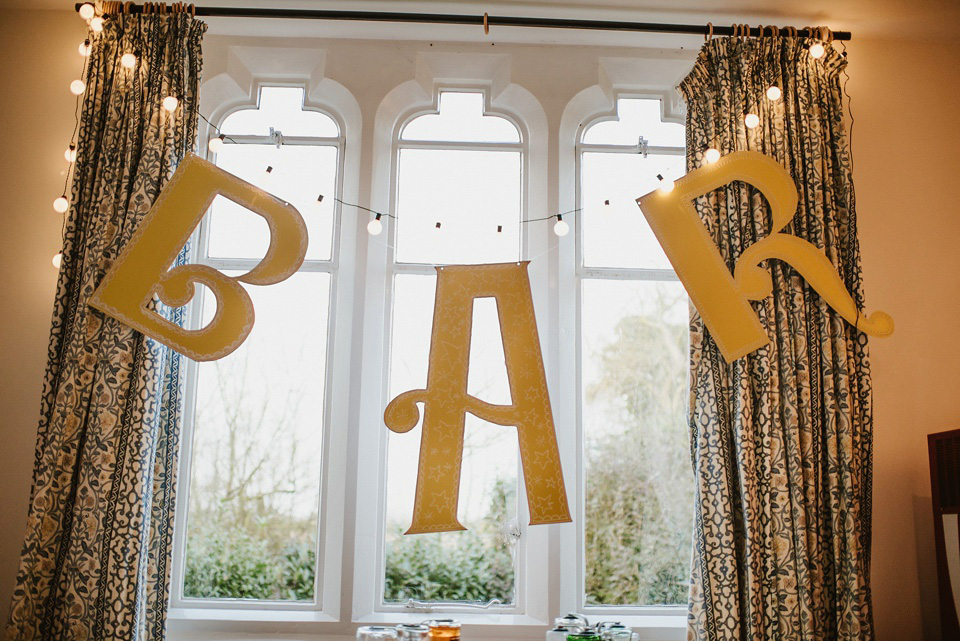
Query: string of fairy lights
x=171, y=103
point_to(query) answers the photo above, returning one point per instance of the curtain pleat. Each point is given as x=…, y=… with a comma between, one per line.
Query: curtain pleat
x=782, y=438
x=96, y=556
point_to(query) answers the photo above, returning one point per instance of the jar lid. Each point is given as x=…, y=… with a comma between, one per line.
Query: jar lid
x=443, y=623
x=413, y=631
x=572, y=620
x=371, y=632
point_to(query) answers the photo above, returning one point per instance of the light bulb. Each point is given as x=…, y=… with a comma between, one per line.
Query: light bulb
x=70, y=154
x=561, y=228
x=128, y=60
x=817, y=50
x=711, y=155
x=86, y=11
x=77, y=87
x=57, y=259
x=215, y=144
x=752, y=120
x=375, y=226
x=85, y=48
x=61, y=204
x=774, y=93
x=666, y=186
x=170, y=103
x=96, y=24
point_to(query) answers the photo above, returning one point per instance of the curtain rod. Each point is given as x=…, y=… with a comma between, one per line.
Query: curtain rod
x=487, y=20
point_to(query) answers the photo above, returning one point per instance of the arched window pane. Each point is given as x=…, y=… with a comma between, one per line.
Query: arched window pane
x=636, y=118
x=617, y=235
x=459, y=201
x=636, y=442
x=282, y=109
x=461, y=119
x=300, y=173
x=470, y=193
x=614, y=231
x=254, y=489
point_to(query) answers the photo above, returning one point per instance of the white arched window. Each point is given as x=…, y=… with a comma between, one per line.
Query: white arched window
x=633, y=367
x=459, y=199
x=256, y=421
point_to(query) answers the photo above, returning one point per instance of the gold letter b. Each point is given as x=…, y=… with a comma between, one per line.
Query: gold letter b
x=142, y=270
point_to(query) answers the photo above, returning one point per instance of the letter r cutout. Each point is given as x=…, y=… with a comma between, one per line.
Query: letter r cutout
x=142, y=270
x=721, y=301
x=446, y=401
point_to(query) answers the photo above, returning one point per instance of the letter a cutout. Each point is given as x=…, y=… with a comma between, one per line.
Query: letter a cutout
x=446, y=401
x=142, y=270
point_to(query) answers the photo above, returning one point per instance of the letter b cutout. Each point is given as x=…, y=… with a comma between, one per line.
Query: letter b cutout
x=446, y=401
x=142, y=270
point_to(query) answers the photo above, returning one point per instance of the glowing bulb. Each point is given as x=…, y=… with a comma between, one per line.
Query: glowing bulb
x=711, y=155
x=57, y=259
x=70, y=154
x=85, y=48
x=817, y=50
x=561, y=228
x=774, y=93
x=61, y=204
x=77, y=87
x=375, y=226
x=667, y=186
x=752, y=120
x=215, y=144
x=170, y=103
x=86, y=11
x=96, y=24
x=128, y=60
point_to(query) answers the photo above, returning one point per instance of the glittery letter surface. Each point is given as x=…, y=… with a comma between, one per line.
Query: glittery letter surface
x=143, y=271
x=446, y=401
x=723, y=299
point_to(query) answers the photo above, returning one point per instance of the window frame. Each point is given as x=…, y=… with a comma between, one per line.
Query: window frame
x=583, y=274
x=551, y=185
x=592, y=106
x=369, y=607
x=329, y=517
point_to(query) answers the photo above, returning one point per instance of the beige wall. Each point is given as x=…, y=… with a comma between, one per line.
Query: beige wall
x=906, y=162
x=906, y=146
x=39, y=54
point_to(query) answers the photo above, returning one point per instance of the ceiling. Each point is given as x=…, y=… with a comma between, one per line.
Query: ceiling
x=934, y=19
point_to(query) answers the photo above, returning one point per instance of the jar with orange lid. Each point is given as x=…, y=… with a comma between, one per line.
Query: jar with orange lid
x=443, y=630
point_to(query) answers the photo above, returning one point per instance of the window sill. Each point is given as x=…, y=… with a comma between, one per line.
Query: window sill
x=253, y=616
x=211, y=624
x=661, y=627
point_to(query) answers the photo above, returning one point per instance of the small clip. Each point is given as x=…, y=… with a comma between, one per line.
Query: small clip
x=277, y=137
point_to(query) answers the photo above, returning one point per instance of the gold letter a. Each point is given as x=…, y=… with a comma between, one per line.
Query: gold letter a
x=446, y=401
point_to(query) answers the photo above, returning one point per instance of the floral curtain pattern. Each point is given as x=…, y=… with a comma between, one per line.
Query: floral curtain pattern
x=95, y=560
x=781, y=439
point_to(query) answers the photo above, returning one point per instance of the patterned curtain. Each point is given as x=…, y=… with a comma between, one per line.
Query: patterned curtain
x=95, y=561
x=782, y=438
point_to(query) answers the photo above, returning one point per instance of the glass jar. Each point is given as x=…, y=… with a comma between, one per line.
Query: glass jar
x=413, y=632
x=616, y=632
x=587, y=634
x=376, y=632
x=443, y=630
